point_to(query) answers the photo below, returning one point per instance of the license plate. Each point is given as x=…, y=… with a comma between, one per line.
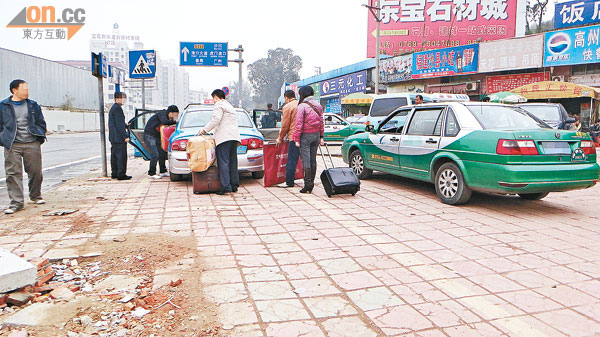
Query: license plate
x=556, y=148
x=242, y=149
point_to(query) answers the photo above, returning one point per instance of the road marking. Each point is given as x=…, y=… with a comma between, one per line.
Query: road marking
x=61, y=165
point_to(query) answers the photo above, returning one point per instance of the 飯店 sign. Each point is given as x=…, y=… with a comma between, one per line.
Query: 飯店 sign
x=576, y=13
x=345, y=85
x=446, y=62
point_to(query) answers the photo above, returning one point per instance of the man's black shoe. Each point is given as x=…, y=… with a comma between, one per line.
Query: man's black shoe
x=220, y=192
x=234, y=189
x=113, y=177
x=124, y=178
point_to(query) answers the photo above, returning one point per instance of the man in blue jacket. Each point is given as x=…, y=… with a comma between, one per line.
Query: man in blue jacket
x=22, y=132
x=118, y=137
x=152, y=139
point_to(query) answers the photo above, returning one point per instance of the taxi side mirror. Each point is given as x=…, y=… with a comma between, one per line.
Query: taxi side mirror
x=570, y=120
x=370, y=128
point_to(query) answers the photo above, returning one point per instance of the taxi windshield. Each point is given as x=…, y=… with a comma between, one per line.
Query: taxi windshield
x=500, y=117
x=199, y=118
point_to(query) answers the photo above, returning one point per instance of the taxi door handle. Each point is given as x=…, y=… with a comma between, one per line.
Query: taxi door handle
x=431, y=141
x=394, y=139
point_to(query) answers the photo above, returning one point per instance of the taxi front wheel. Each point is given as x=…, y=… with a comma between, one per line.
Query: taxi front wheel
x=450, y=185
x=357, y=164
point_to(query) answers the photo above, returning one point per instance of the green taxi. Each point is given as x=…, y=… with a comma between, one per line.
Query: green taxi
x=472, y=146
x=337, y=128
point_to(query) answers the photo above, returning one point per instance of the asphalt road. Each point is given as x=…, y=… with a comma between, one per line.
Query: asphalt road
x=64, y=156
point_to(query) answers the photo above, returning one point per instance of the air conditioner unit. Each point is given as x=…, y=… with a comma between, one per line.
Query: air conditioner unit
x=558, y=78
x=473, y=86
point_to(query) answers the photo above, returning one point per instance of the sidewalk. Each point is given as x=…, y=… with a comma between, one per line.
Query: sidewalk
x=390, y=261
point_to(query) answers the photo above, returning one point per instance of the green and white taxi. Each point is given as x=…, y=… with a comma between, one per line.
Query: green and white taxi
x=474, y=146
x=337, y=128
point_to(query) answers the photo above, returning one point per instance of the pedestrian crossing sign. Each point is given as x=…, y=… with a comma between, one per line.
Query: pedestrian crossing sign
x=142, y=64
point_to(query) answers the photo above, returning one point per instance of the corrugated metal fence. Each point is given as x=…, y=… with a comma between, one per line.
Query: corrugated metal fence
x=50, y=83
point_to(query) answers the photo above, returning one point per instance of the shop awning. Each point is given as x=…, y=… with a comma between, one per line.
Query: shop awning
x=555, y=89
x=357, y=98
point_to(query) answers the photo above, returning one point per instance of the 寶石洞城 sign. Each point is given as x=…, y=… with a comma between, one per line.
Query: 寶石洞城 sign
x=511, y=54
x=572, y=46
x=345, y=85
x=445, y=62
x=395, y=69
x=576, y=13
x=415, y=25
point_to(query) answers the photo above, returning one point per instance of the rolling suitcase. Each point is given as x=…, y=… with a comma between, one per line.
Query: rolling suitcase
x=207, y=181
x=341, y=180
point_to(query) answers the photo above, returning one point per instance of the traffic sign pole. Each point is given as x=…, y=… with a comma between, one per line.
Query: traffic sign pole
x=239, y=61
x=102, y=127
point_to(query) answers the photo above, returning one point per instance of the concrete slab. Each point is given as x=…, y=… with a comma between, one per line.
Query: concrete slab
x=118, y=282
x=15, y=272
x=59, y=254
x=33, y=315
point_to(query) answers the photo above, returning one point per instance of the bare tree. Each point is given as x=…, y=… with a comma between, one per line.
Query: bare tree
x=536, y=9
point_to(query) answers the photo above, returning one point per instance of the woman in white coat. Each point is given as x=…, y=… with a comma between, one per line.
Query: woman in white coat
x=227, y=137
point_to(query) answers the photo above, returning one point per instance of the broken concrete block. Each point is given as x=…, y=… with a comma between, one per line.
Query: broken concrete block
x=18, y=298
x=118, y=282
x=33, y=315
x=61, y=294
x=19, y=333
x=59, y=254
x=15, y=272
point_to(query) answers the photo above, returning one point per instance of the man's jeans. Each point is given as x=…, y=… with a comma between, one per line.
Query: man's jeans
x=292, y=162
x=29, y=155
x=157, y=155
x=227, y=162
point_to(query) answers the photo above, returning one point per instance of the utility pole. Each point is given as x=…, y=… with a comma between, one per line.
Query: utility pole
x=239, y=61
x=375, y=10
x=143, y=94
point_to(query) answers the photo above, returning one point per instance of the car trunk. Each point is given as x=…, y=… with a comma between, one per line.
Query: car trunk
x=554, y=147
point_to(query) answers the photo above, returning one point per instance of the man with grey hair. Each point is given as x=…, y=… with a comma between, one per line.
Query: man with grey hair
x=22, y=132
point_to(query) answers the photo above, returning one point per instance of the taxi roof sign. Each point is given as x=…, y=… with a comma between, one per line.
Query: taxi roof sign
x=441, y=97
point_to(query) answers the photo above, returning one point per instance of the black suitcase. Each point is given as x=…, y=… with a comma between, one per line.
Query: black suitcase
x=341, y=180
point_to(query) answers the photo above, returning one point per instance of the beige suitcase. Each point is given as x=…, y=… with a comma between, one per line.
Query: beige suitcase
x=201, y=153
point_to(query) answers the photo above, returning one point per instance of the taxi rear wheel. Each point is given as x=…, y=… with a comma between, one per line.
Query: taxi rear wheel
x=450, y=185
x=258, y=174
x=533, y=196
x=357, y=164
x=175, y=177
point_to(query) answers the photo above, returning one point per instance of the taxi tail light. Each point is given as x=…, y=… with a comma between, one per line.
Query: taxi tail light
x=588, y=147
x=179, y=145
x=253, y=143
x=516, y=147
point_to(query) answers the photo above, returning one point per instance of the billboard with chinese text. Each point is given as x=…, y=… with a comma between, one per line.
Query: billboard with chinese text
x=395, y=69
x=510, y=82
x=511, y=54
x=572, y=46
x=416, y=25
x=446, y=62
x=345, y=85
x=576, y=13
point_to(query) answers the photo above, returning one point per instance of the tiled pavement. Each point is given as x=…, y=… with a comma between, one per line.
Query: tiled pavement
x=390, y=261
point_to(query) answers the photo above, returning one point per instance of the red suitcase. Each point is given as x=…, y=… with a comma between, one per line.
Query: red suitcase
x=207, y=181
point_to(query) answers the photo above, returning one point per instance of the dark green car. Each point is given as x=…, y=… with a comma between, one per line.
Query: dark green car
x=473, y=146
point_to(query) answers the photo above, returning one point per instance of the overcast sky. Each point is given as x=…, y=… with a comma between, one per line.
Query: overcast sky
x=325, y=33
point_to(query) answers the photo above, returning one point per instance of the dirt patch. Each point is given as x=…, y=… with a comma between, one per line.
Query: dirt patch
x=167, y=300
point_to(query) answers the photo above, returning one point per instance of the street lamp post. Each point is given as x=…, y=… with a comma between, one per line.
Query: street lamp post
x=240, y=60
x=375, y=10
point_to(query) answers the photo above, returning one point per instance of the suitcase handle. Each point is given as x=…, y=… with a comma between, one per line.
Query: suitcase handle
x=323, y=156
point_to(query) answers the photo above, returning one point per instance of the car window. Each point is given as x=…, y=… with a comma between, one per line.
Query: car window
x=199, y=118
x=551, y=113
x=395, y=122
x=425, y=122
x=501, y=117
x=452, y=127
x=332, y=120
x=383, y=107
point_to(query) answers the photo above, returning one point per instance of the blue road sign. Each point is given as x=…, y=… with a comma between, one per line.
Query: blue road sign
x=203, y=54
x=99, y=65
x=226, y=91
x=142, y=64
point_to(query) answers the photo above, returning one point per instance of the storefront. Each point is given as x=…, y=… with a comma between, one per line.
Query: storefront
x=578, y=100
x=332, y=91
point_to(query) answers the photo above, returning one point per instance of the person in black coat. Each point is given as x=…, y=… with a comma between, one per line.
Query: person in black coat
x=118, y=137
x=152, y=139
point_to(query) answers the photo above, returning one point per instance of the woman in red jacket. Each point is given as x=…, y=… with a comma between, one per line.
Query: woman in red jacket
x=309, y=134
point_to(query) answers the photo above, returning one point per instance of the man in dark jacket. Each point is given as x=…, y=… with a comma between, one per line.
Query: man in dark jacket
x=22, y=132
x=270, y=119
x=152, y=139
x=118, y=137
